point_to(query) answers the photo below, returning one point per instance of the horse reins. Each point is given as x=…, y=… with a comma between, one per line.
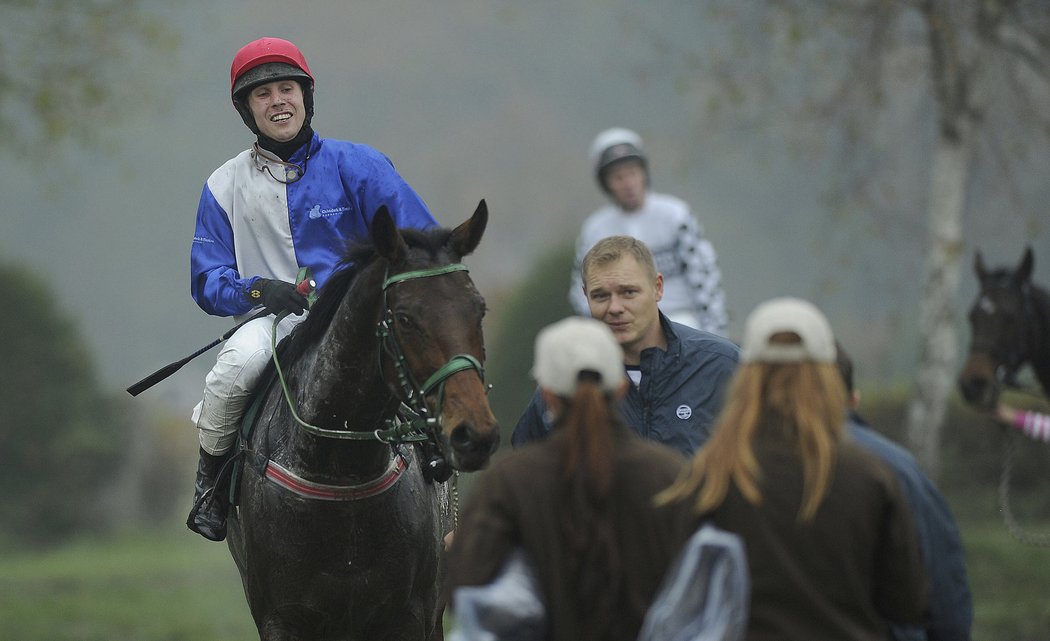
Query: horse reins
x=1015, y=529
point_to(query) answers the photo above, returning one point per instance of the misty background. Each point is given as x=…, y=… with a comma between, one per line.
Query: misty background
x=496, y=100
x=807, y=162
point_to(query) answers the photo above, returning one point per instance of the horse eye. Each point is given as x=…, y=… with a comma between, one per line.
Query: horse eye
x=403, y=320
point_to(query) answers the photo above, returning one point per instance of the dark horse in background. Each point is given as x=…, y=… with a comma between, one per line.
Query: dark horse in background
x=1010, y=327
x=342, y=502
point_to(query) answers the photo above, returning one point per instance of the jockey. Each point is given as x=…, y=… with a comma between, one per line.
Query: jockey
x=692, y=281
x=292, y=200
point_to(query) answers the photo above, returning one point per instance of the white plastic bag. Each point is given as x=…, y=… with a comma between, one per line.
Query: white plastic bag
x=510, y=608
x=706, y=593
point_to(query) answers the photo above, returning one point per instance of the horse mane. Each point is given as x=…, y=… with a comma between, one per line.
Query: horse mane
x=358, y=256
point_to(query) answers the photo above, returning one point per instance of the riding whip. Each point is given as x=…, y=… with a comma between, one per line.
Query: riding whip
x=305, y=287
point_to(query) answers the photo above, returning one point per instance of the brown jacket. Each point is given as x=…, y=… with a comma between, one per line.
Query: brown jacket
x=841, y=575
x=516, y=503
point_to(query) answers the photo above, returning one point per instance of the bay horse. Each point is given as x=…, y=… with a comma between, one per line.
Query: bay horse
x=342, y=501
x=1010, y=327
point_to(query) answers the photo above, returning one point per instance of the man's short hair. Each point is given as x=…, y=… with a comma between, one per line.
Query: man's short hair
x=612, y=248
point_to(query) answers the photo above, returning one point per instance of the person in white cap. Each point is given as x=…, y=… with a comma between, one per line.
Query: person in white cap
x=580, y=502
x=693, y=292
x=292, y=200
x=832, y=548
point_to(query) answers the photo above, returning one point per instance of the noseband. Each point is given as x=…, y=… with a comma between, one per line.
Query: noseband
x=411, y=423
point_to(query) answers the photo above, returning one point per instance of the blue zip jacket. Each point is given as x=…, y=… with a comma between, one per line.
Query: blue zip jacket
x=252, y=225
x=680, y=395
x=950, y=612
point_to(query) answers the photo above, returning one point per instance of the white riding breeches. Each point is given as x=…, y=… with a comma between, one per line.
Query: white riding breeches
x=231, y=381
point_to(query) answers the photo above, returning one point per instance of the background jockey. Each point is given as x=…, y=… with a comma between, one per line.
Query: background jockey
x=292, y=200
x=692, y=281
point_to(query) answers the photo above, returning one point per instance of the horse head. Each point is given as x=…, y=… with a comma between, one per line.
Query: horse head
x=1001, y=327
x=434, y=350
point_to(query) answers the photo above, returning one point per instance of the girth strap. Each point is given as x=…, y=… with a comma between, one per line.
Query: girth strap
x=292, y=482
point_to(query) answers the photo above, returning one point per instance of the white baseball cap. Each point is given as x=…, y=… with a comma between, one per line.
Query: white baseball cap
x=787, y=314
x=572, y=345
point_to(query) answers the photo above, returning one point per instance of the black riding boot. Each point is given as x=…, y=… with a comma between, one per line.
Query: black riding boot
x=208, y=516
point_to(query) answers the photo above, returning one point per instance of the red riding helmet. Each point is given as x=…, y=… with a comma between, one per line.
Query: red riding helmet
x=250, y=66
x=265, y=60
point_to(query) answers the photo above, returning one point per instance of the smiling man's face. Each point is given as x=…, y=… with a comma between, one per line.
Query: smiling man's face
x=278, y=109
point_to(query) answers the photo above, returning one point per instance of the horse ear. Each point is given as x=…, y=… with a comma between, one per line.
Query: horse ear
x=465, y=238
x=386, y=237
x=1024, y=270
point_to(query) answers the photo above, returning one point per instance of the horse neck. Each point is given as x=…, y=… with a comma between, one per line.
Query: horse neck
x=342, y=388
x=1040, y=357
x=344, y=382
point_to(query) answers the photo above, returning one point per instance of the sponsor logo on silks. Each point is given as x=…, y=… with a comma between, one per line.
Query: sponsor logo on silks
x=317, y=212
x=683, y=412
x=202, y=239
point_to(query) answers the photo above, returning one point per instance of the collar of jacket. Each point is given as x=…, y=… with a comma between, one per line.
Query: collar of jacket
x=674, y=345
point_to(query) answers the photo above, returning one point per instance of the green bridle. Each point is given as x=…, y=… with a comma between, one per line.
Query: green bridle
x=411, y=423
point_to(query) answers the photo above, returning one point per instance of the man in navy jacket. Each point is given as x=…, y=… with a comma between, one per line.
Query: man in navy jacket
x=950, y=613
x=679, y=374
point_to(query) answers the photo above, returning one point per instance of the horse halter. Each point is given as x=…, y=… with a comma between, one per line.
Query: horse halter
x=413, y=405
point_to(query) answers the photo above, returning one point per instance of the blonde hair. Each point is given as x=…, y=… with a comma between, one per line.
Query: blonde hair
x=811, y=401
x=612, y=248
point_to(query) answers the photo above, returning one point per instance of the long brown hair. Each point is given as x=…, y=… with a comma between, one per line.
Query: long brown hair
x=592, y=429
x=811, y=401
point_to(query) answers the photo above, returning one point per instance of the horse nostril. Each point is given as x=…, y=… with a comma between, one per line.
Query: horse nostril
x=465, y=439
x=461, y=437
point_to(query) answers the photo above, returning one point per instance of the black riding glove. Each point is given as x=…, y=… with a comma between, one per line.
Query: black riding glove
x=277, y=296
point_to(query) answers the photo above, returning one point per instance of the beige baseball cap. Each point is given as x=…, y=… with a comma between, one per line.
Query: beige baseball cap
x=787, y=314
x=572, y=345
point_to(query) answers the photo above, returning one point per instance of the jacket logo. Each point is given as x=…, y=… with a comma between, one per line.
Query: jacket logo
x=317, y=212
x=683, y=412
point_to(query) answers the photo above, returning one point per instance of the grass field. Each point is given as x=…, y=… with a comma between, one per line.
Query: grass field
x=171, y=585
x=165, y=586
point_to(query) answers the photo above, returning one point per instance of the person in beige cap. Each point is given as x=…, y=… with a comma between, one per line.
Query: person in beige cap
x=831, y=544
x=579, y=503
